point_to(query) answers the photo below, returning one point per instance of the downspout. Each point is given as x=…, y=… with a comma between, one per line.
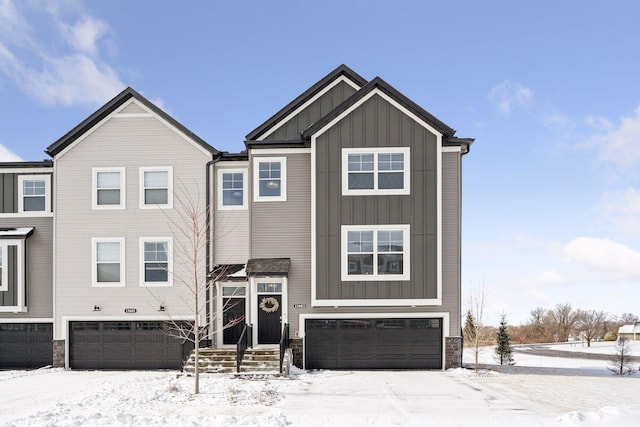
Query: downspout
x=208, y=255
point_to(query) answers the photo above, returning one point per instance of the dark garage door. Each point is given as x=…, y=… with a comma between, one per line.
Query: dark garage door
x=125, y=345
x=26, y=345
x=373, y=344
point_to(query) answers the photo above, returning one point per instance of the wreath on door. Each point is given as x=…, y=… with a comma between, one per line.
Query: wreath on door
x=269, y=305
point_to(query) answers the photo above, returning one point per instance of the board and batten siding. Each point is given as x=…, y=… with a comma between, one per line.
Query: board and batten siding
x=376, y=123
x=283, y=230
x=39, y=267
x=9, y=187
x=130, y=142
x=312, y=113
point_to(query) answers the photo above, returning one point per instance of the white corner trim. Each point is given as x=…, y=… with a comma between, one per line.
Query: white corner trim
x=309, y=102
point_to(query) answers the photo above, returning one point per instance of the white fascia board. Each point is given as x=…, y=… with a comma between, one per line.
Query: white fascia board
x=40, y=171
x=315, y=302
x=28, y=320
x=450, y=149
x=256, y=152
x=309, y=102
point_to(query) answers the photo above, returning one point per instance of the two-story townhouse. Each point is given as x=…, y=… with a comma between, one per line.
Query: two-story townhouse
x=351, y=219
x=26, y=239
x=122, y=178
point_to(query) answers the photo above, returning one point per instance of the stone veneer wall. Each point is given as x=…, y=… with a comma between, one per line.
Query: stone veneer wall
x=296, y=347
x=58, y=353
x=453, y=352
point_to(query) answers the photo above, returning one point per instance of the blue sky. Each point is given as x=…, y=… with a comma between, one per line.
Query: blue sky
x=550, y=90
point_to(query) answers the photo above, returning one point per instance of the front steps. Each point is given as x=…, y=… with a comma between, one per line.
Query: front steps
x=223, y=360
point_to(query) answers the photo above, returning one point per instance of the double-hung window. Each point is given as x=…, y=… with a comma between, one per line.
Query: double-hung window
x=34, y=193
x=108, y=261
x=375, y=252
x=156, y=261
x=156, y=187
x=269, y=179
x=369, y=171
x=108, y=188
x=232, y=191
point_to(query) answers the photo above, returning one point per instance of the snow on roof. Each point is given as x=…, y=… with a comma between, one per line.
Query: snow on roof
x=16, y=232
x=629, y=329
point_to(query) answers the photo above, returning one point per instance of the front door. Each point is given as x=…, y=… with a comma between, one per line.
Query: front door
x=269, y=318
x=232, y=319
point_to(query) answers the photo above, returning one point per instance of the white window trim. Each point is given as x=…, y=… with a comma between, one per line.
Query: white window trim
x=5, y=270
x=406, y=254
x=169, y=281
x=94, y=262
x=169, y=170
x=94, y=193
x=375, y=191
x=256, y=179
x=245, y=197
x=47, y=193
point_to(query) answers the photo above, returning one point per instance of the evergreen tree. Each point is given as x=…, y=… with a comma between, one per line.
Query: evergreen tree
x=503, y=349
x=470, y=328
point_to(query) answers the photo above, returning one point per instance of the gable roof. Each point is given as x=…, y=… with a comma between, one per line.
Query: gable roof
x=75, y=133
x=342, y=70
x=389, y=90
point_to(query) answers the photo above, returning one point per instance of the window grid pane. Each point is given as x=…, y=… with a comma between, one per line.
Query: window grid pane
x=232, y=189
x=376, y=171
x=378, y=252
x=156, y=261
x=106, y=180
x=269, y=176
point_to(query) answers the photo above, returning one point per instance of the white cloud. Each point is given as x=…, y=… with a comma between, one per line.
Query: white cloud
x=74, y=75
x=7, y=155
x=622, y=208
x=618, y=145
x=609, y=260
x=508, y=95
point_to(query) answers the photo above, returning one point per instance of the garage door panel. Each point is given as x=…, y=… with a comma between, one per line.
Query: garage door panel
x=373, y=343
x=125, y=345
x=26, y=345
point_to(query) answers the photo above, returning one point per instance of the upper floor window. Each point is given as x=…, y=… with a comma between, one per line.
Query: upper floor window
x=156, y=187
x=232, y=191
x=34, y=193
x=269, y=179
x=108, y=261
x=108, y=188
x=375, y=252
x=380, y=171
x=156, y=256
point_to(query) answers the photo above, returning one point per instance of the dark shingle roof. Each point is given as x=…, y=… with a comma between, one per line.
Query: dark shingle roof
x=277, y=266
x=385, y=87
x=306, y=95
x=109, y=108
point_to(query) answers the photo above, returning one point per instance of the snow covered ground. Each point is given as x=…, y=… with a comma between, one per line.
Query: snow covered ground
x=547, y=391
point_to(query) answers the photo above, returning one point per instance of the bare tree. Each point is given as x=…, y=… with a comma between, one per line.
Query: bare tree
x=190, y=240
x=564, y=318
x=590, y=323
x=476, y=333
x=620, y=362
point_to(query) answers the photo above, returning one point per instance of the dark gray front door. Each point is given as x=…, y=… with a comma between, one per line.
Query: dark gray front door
x=269, y=318
x=233, y=313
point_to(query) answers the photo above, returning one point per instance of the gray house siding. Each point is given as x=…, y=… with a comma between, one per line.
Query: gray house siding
x=282, y=229
x=314, y=112
x=39, y=267
x=230, y=228
x=451, y=192
x=376, y=123
x=131, y=142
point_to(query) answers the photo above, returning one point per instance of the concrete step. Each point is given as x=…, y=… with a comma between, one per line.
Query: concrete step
x=214, y=360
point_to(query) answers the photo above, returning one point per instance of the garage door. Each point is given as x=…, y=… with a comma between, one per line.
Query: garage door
x=26, y=345
x=125, y=345
x=373, y=344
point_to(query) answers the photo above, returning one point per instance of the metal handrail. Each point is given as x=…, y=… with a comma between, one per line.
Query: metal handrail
x=284, y=343
x=245, y=341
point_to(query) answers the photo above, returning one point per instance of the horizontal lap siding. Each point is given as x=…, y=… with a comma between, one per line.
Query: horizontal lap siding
x=231, y=237
x=131, y=142
x=451, y=185
x=283, y=229
x=39, y=266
